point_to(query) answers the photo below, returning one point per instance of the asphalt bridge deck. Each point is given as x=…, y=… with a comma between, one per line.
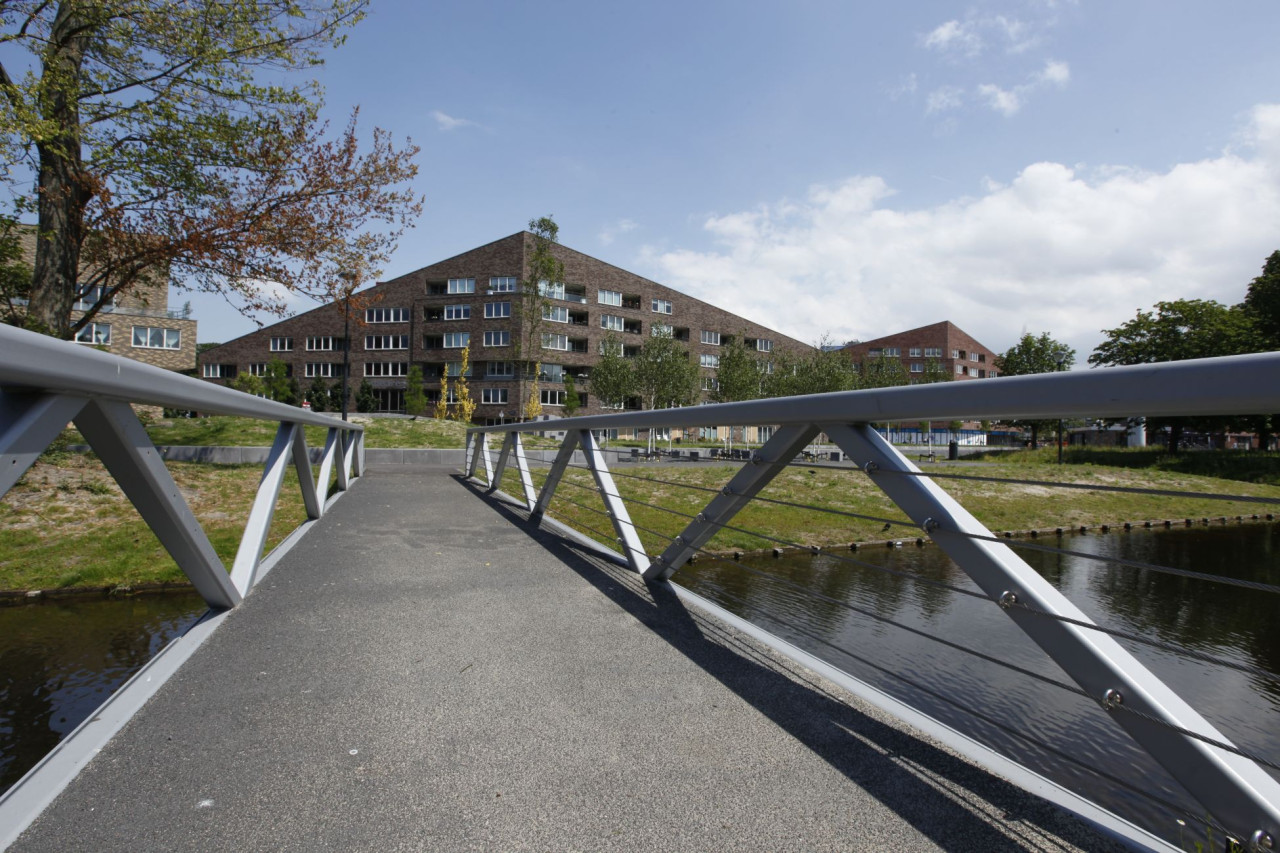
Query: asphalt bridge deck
x=425, y=671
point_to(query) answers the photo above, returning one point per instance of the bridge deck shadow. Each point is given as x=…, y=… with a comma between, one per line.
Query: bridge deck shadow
x=428, y=671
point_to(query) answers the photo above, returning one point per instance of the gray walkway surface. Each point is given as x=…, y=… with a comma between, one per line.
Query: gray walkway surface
x=424, y=671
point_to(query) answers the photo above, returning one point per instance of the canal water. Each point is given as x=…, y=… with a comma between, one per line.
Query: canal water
x=1083, y=748
x=59, y=660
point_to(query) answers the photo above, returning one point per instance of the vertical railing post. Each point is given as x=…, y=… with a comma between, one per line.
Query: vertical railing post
x=526, y=481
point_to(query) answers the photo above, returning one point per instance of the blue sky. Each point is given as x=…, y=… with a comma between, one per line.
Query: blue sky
x=843, y=169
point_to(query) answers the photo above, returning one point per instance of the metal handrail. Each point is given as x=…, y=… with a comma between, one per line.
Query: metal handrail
x=1229, y=783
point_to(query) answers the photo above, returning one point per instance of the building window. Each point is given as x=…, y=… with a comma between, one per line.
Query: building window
x=457, y=312
x=386, y=315
x=373, y=342
x=457, y=340
x=219, y=371
x=320, y=343
x=88, y=297
x=955, y=353
x=610, y=297
x=933, y=352
x=552, y=397
x=323, y=369
x=497, y=339
x=560, y=342
x=764, y=345
x=494, y=396
x=712, y=361
x=555, y=314
x=973, y=356
x=552, y=373
x=711, y=338
x=661, y=306
x=282, y=344
x=500, y=369
x=612, y=322
x=618, y=348
x=497, y=310
x=154, y=337
x=551, y=290
x=502, y=284
x=914, y=352
x=461, y=285
x=659, y=330
x=257, y=368
x=917, y=367
x=386, y=368
x=960, y=370
x=453, y=369
x=709, y=383
x=94, y=333
x=891, y=352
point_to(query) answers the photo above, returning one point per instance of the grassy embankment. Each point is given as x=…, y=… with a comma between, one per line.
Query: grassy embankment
x=67, y=524
x=1000, y=506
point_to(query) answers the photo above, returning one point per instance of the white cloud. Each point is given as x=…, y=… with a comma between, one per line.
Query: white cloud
x=447, y=122
x=954, y=37
x=1008, y=101
x=943, y=99
x=609, y=233
x=1067, y=250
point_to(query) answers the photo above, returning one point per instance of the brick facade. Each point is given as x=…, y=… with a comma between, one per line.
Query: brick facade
x=958, y=353
x=127, y=327
x=434, y=320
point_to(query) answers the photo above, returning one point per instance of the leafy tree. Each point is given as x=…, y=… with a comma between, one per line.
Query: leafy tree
x=1178, y=330
x=318, y=395
x=530, y=304
x=466, y=405
x=612, y=379
x=275, y=382
x=572, y=402
x=415, y=396
x=740, y=373
x=935, y=371
x=533, y=406
x=335, y=397
x=15, y=276
x=1030, y=355
x=168, y=136
x=665, y=374
x=366, y=399
x=1262, y=303
x=441, y=411
x=249, y=384
x=812, y=372
x=882, y=372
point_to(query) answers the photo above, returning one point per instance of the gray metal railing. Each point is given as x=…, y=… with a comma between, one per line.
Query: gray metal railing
x=46, y=384
x=1240, y=796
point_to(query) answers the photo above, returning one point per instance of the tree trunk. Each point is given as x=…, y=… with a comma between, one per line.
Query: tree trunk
x=1175, y=437
x=63, y=189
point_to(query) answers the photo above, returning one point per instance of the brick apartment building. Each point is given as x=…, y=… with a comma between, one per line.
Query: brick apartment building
x=958, y=353
x=137, y=324
x=427, y=317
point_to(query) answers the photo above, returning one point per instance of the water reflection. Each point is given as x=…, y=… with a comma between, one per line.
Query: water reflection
x=1083, y=749
x=60, y=660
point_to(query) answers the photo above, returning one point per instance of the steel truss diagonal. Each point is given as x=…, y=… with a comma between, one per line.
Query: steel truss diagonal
x=622, y=526
x=1234, y=789
x=30, y=423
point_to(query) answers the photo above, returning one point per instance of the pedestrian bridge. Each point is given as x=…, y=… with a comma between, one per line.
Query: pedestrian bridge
x=431, y=663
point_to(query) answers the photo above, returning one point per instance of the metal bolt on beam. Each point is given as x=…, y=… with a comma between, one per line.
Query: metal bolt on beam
x=930, y=525
x=1262, y=841
x=1112, y=699
x=1008, y=599
x=727, y=491
x=871, y=467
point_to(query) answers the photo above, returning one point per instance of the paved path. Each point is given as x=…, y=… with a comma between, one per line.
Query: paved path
x=421, y=673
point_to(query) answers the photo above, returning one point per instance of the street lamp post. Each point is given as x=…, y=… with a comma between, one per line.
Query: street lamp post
x=350, y=280
x=1060, y=356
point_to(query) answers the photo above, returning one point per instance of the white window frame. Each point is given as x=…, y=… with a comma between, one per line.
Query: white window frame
x=320, y=343
x=493, y=396
x=555, y=342
x=500, y=370
x=502, y=284
x=497, y=338
x=555, y=313
x=165, y=338
x=374, y=343
x=256, y=368
x=457, y=340
x=457, y=312
x=891, y=352
x=917, y=367
x=710, y=338
x=497, y=310
x=321, y=369
x=386, y=368
x=386, y=315
x=552, y=396
x=460, y=285
x=913, y=352
x=660, y=306
x=659, y=329
x=281, y=344
x=216, y=371
x=609, y=297
x=764, y=345
x=551, y=289
x=613, y=323
x=94, y=334
x=709, y=361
